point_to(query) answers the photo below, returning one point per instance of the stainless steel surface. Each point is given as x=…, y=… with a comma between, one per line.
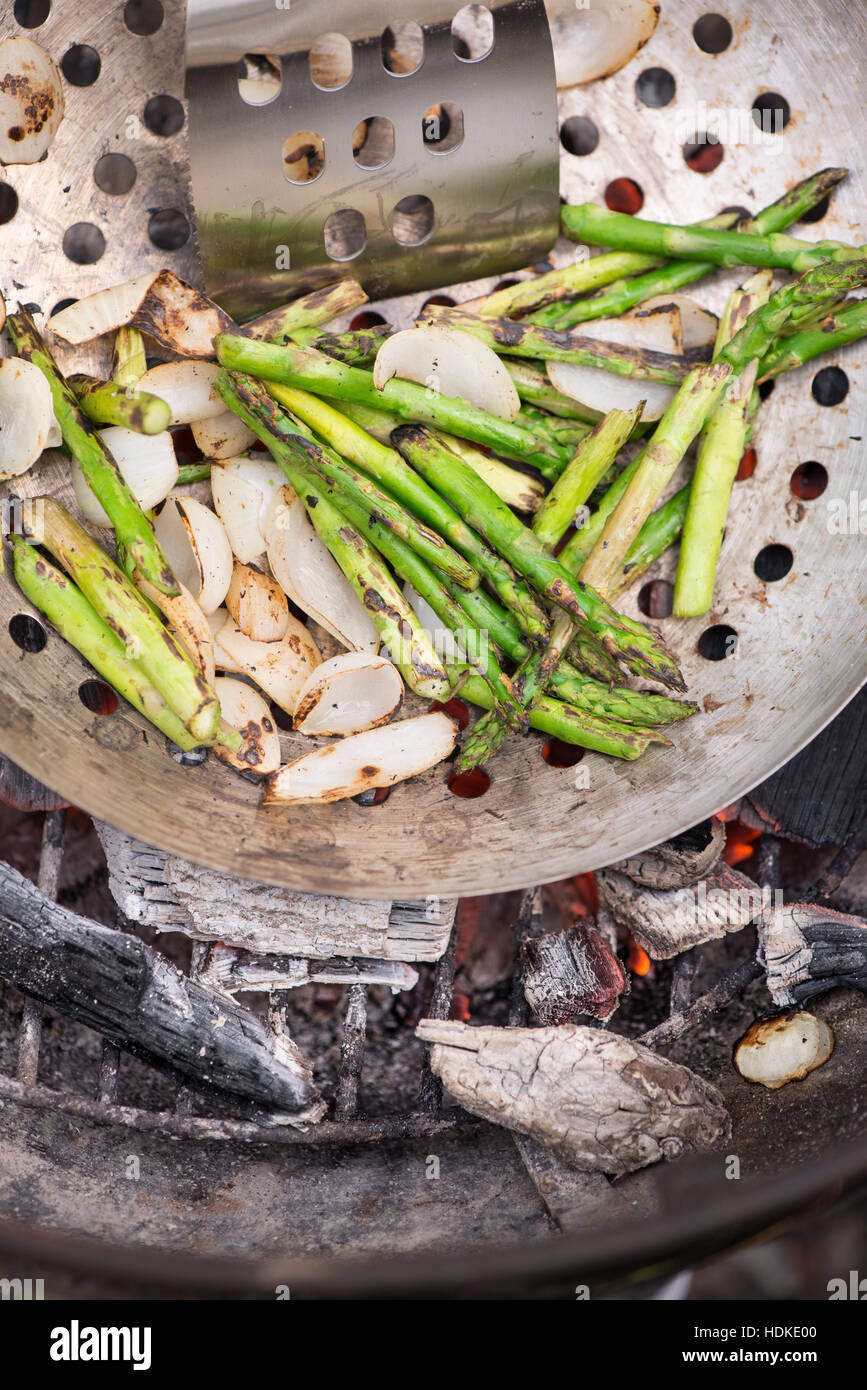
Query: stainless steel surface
x=800, y=653
x=493, y=192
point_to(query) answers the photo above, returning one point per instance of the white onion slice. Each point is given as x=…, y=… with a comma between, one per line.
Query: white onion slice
x=450, y=362
x=177, y=315
x=243, y=709
x=222, y=436
x=222, y=660
x=26, y=416
x=281, y=668
x=307, y=572
x=147, y=463
x=595, y=40
x=257, y=604
x=197, y=548
x=600, y=390
x=776, y=1050
x=378, y=758
x=698, y=325
x=187, y=389
x=31, y=101
x=347, y=694
x=243, y=490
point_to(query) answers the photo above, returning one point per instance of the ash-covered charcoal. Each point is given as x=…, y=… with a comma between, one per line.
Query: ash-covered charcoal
x=807, y=949
x=676, y=863
x=775, y=1051
x=231, y=971
x=599, y=1101
x=569, y=973
x=125, y=990
x=666, y=922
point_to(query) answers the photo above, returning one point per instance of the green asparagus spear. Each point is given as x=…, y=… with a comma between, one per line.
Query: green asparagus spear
x=673, y=435
x=660, y=530
x=526, y=340
x=390, y=469
x=568, y=283
x=132, y=528
x=580, y=544
x=561, y=721
x=106, y=403
x=775, y=218
x=519, y=490
x=194, y=473
x=310, y=311
x=592, y=459
x=789, y=305
x=516, y=543
x=49, y=590
x=263, y=415
x=358, y=349
x=293, y=366
x=162, y=659
x=844, y=326
x=722, y=446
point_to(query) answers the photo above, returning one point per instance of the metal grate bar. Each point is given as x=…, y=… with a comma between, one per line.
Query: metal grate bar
x=352, y=1051
x=50, y=859
x=430, y=1086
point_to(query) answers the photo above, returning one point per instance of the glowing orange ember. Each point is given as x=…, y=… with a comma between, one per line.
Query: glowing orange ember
x=740, y=842
x=637, y=958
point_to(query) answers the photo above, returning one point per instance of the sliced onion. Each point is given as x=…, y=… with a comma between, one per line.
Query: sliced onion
x=257, y=604
x=595, y=40
x=776, y=1050
x=222, y=660
x=187, y=622
x=222, y=436
x=698, y=325
x=306, y=571
x=243, y=491
x=351, y=692
x=197, y=548
x=26, y=416
x=31, y=101
x=453, y=363
x=187, y=389
x=177, y=315
x=100, y=312
x=243, y=709
x=281, y=668
x=377, y=758
x=147, y=463
x=598, y=389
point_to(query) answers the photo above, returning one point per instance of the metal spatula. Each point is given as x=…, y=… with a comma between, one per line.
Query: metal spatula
x=414, y=151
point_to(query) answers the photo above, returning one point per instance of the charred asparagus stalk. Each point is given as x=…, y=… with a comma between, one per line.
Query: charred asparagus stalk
x=562, y=721
x=527, y=340
x=132, y=528
x=260, y=411
x=162, y=659
x=388, y=467
x=622, y=637
x=78, y=622
x=676, y=430
x=358, y=349
x=593, y=457
x=722, y=446
x=660, y=530
x=839, y=328
x=600, y=227
x=310, y=311
x=775, y=218
x=107, y=403
x=128, y=359
x=294, y=366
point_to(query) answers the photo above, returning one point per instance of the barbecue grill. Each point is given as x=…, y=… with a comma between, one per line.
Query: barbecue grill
x=797, y=658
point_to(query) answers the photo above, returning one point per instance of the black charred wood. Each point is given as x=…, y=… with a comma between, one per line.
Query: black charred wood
x=128, y=992
x=570, y=973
